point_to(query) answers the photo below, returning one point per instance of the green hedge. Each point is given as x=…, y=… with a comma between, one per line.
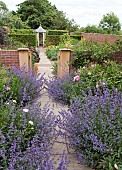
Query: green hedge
x=27, y=39
x=57, y=32
x=22, y=31
x=52, y=40
x=78, y=37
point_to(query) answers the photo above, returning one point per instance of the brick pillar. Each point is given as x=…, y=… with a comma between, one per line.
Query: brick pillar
x=64, y=58
x=24, y=58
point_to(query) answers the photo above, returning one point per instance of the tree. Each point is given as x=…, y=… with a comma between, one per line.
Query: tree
x=10, y=18
x=92, y=29
x=110, y=23
x=3, y=7
x=42, y=12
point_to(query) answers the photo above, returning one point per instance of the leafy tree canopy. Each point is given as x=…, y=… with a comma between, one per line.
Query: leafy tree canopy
x=3, y=7
x=92, y=29
x=10, y=18
x=42, y=12
x=110, y=23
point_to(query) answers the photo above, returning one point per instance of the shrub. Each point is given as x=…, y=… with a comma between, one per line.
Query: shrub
x=60, y=90
x=94, y=127
x=35, y=55
x=2, y=35
x=52, y=52
x=85, y=52
x=95, y=75
x=21, y=86
x=26, y=135
x=55, y=68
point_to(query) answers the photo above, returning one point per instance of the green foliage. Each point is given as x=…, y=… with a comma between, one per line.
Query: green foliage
x=27, y=39
x=108, y=74
x=3, y=78
x=2, y=35
x=113, y=160
x=85, y=52
x=34, y=55
x=52, y=40
x=93, y=76
x=92, y=29
x=44, y=13
x=56, y=32
x=77, y=37
x=55, y=68
x=52, y=52
x=110, y=23
x=64, y=38
x=21, y=31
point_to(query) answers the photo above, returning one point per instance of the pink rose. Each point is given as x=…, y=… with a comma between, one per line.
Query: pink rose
x=76, y=78
x=7, y=88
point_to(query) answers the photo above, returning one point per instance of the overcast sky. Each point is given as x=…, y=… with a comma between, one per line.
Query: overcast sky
x=84, y=12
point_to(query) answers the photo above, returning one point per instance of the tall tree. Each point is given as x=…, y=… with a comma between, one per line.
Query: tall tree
x=42, y=12
x=110, y=23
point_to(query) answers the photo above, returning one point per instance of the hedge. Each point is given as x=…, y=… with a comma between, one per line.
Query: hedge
x=22, y=31
x=52, y=40
x=57, y=32
x=78, y=37
x=28, y=39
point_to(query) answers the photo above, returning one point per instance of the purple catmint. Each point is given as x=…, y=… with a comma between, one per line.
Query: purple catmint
x=93, y=125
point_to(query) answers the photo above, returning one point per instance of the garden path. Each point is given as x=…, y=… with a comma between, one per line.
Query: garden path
x=45, y=67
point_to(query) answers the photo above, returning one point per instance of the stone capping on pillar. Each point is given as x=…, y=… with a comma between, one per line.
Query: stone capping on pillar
x=24, y=58
x=65, y=49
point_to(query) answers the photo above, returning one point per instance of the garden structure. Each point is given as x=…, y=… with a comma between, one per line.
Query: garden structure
x=41, y=35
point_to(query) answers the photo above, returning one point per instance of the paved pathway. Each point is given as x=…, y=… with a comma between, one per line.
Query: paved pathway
x=59, y=146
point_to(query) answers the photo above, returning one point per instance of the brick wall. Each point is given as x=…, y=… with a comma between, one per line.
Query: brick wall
x=9, y=57
x=102, y=38
x=117, y=56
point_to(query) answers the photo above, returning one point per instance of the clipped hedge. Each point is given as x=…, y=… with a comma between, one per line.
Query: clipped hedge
x=57, y=32
x=78, y=37
x=28, y=39
x=52, y=40
x=21, y=31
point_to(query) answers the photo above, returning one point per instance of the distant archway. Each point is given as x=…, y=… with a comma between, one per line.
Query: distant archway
x=41, y=35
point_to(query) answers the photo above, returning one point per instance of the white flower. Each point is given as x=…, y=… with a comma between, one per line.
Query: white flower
x=30, y=122
x=14, y=101
x=25, y=110
x=32, y=128
x=93, y=65
x=103, y=83
x=89, y=73
x=7, y=103
x=115, y=166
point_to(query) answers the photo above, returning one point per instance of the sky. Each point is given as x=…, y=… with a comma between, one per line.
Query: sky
x=84, y=12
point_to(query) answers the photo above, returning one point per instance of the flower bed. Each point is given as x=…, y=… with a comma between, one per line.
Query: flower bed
x=94, y=128
x=94, y=75
x=27, y=131
x=93, y=124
